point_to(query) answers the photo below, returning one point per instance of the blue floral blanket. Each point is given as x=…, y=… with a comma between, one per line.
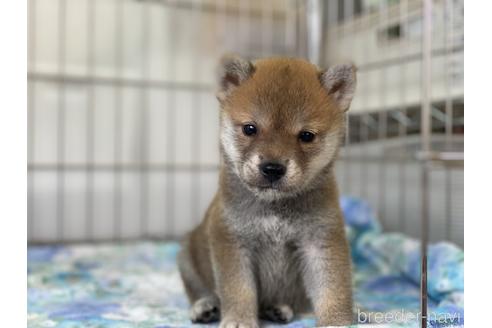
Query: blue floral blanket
x=138, y=285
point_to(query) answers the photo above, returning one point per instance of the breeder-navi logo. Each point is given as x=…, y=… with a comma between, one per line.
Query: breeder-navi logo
x=446, y=321
x=436, y=320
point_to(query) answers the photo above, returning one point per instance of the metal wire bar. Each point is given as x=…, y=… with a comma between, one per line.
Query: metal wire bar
x=364, y=173
x=383, y=122
x=402, y=133
x=332, y=21
x=60, y=147
x=289, y=26
x=215, y=6
x=364, y=128
x=449, y=41
x=171, y=128
x=120, y=82
x=196, y=106
x=144, y=129
x=299, y=46
x=221, y=13
x=347, y=5
x=89, y=192
x=313, y=22
x=440, y=52
x=267, y=30
x=31, y=94
x=121, y=167
x=243, y=28
x=118, y=118
x=31, y=118
x=426, y=147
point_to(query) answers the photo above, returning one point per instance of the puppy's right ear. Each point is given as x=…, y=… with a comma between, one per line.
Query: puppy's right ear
x=233, y=70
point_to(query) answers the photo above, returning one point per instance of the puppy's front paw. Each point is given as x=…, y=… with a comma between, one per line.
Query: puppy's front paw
x=205, y=310
x=278, y=313
x=230, y=322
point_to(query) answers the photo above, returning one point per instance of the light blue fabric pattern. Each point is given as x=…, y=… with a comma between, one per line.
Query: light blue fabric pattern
x=138, y=285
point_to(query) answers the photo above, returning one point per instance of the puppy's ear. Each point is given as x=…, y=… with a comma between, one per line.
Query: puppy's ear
x=340, y=82
x=233, y=70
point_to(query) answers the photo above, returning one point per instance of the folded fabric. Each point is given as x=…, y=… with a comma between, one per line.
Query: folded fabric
x=396, y=258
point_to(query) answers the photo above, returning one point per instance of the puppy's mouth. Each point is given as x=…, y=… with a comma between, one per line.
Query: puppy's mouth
x=268, y=186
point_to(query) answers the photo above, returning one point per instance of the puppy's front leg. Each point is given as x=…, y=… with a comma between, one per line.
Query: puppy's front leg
x=327, y=279
x=235, y=282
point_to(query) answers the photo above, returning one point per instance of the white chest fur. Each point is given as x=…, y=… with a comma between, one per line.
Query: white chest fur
x=274, y=228
x=271, y=229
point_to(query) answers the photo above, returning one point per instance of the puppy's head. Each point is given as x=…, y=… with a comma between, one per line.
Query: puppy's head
x=282, y=121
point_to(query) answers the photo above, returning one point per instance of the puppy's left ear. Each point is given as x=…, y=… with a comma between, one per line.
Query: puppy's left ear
x=340, y=82
x=233, y=70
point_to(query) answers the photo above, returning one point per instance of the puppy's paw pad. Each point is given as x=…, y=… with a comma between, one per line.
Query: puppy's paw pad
x=278, y=313
x=231, y=323
x=205, y=310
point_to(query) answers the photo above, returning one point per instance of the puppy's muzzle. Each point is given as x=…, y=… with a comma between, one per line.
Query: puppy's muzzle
x=272, y=171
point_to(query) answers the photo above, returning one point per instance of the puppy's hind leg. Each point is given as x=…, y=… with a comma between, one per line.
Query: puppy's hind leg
x=204, y=303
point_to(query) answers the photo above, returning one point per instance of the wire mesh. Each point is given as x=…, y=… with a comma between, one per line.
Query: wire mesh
x=123, y=124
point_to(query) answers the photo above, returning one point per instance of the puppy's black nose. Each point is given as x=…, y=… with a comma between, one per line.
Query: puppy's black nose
x=272, y=171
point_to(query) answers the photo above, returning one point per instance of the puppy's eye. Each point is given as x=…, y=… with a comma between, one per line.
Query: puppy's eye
x=249, y=129
x=306, y=136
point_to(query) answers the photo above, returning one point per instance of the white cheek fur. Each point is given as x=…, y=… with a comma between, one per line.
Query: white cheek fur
x=326, y=155
x=228, y=141
x=250, y=167
x=293, y=171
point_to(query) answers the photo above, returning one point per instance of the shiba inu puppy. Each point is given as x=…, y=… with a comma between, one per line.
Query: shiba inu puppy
x=273, y=242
